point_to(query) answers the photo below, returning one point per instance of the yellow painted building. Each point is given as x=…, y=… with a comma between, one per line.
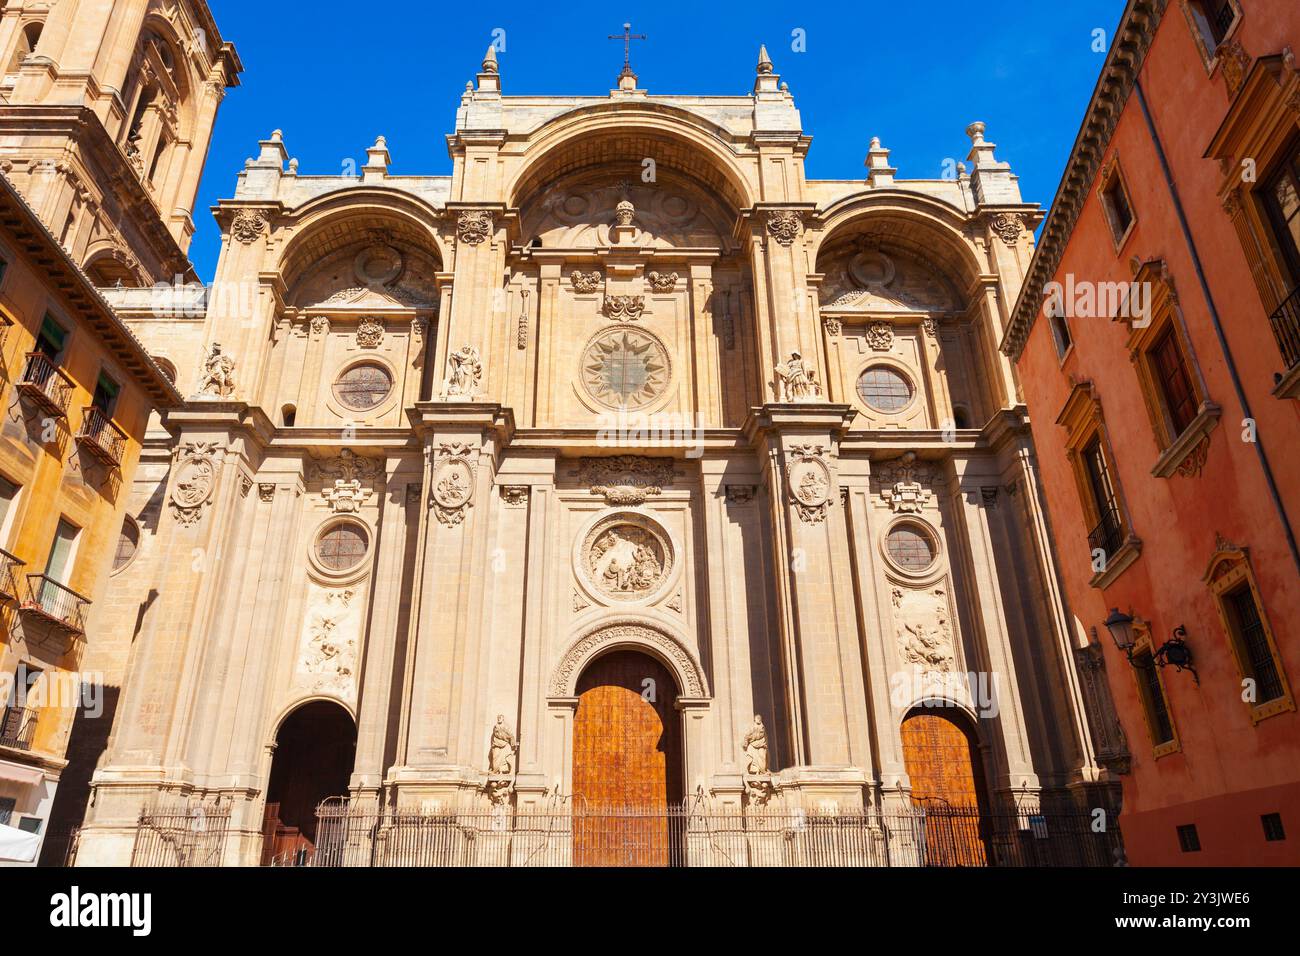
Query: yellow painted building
x=78, y=390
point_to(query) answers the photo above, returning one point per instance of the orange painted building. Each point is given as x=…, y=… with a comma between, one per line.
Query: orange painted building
x=77, y=390
x=1158, y=345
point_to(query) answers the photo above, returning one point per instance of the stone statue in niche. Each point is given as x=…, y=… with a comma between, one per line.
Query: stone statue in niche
x=464, y=372
x=755, y=747
x=218, y=377
x=759, y=787
x=501, y=756
x=797, y=382
x=501, y=763
x=924, y=633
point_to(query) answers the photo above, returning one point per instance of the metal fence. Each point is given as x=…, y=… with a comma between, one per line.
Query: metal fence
x=685, y=836
x=181, y=836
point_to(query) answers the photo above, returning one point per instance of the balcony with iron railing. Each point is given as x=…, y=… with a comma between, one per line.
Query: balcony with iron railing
x=1108, y=535
x=17, y=728
x=9, y=565
x=1286, y=328
x=46, y=385
x=100, y=438
x=55, y=604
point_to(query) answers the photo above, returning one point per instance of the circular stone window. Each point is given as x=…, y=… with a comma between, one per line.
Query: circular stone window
x=626, y=557
x=625, y=368
x=884, y=389
x=341, y=547
x=363, y=386
x=910, y=547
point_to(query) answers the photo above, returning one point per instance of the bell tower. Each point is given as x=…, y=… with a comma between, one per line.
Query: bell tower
x=106, y=112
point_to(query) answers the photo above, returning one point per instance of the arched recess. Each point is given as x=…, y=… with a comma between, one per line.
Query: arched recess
x=107, y=266
x=336, y=220
x=629, y=634
x=900, y=273
x=610, y=135
x=313, y=757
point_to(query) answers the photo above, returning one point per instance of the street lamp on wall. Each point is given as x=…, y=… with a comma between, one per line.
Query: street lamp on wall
x=1173, y=651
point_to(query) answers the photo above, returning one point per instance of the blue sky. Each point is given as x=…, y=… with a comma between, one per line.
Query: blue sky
x=334, y=75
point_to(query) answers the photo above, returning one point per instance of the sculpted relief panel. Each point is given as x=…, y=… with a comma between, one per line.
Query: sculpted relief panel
x=378, y=274
x=578, y=215
x=626, y=558
x=865, y=278
x=923, y=628
x=327, y=652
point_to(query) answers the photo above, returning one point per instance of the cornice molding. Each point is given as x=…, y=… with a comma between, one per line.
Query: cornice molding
x=1124, y=62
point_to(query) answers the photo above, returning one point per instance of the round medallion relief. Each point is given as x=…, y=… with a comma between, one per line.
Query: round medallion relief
x=626, y=557
x=625, y=368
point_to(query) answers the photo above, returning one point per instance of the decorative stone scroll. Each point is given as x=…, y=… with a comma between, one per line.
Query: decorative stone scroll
x=631, y=634
x=784, y=225
x=196, y=476
x=515, y=496
x=901, y=483
x=624, y=308
x=474, y=226
x=626, y=479
x=585, y=282
x=880, y=336
x=346, y=494
x=370, y=333
x=1007, y=228
x=808, y=483
x=659, y=282
x=248, y=226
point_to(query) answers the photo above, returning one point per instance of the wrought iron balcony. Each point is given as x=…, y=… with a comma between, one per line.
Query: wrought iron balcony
x=17, y=728
x=1108, y=535
x=1286, y=328
x=100, y=437
x=55, y=603
x=9, y=565
x=46, y=385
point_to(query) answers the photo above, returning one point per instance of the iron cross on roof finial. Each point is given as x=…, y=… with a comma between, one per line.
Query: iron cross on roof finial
x=627, y=36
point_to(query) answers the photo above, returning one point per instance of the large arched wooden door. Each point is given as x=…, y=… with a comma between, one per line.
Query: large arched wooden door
x=943, y=763
x=627, y=762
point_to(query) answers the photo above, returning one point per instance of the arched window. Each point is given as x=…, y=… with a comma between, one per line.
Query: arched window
x=28, y=37
x=128, y=543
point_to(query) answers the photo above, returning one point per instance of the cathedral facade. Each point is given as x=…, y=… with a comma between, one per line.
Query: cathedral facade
x=624, y=465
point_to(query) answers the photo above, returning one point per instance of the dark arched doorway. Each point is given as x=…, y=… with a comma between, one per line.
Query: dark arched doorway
x=943, y=764
x=627, y=763
x=314, y=753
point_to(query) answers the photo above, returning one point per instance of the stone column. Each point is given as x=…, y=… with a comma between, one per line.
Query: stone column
x=972, y=498
x=390, y=606
x=148, y=749
x=462, y=443
x=814, y=584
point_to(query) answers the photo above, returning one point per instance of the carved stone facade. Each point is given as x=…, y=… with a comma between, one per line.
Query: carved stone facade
x=505, y=428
